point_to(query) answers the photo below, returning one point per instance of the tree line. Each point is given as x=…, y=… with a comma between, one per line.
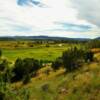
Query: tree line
x=73, y=59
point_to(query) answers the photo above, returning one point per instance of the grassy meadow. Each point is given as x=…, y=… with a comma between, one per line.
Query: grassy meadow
x=13, y=50
x=42, y=53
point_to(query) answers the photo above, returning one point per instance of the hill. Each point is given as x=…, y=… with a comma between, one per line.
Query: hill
x=10, y=38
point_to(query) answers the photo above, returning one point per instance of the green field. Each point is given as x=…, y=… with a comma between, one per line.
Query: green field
x=44, y=53
x=20, y=49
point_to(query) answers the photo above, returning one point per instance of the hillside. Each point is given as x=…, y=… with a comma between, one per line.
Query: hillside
x=82, y=84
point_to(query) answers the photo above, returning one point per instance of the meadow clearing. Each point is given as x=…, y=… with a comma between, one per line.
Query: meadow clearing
x=22, y=49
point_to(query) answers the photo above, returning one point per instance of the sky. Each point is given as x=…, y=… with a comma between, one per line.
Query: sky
x=62, y=18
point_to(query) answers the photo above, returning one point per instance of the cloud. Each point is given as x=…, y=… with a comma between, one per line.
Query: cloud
x=29, y=18
x=88, y=10
x=74, y=27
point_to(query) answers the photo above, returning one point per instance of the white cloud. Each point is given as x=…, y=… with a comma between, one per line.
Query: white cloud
x=39, y=20
x=88, y=10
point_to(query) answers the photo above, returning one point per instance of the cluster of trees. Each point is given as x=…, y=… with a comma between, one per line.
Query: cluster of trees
x=93, y=44
x=73, y=59
x=22, y=70
x=25, y=68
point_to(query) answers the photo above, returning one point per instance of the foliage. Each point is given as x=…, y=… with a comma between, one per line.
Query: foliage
x=0, y=52
x=93, y=44
x=57, y=63
x=26, y=79
x=89, y=56
x=25, y=67
x=3, y=65
x=72, y=57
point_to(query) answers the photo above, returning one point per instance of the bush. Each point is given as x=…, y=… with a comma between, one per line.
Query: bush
x=72, y=57
x=0, y=53
x=25, y=67
x=3, y=65
x=26, y=79
x=45, y=87
x=57, y=64
x=2, y=96
x=89, y=56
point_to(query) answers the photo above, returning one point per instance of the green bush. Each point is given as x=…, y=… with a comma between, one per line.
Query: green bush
x=3, y=65
x=2, y=96
x=72, y=58
x=57, y=63
x=0, y=53
x=25, y=67
x=26, y=79
x=89, y=56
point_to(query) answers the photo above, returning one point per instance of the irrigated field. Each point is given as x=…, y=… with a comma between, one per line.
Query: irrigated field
x=13, y=50
x=38, y=53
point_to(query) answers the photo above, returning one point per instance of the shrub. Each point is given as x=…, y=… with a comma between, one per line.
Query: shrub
x=72, y=57
x=89, y=56
x=3, y=65
x=26, y=79
x=0, y=53
x=45, y=87
x=25, y=67
x=57, y=63
x=2, y=96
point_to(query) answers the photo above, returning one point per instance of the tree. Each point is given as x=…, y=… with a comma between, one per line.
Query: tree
x=0, y=53
x=18, y=70
x=2, y=96
x=72, y=57
x=25, y=67
x=3, y=65
x=26, y=79
x=93, y=44
x=57, y=63
x=89, y=56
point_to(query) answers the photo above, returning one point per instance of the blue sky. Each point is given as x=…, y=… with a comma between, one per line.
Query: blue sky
x=64, y=18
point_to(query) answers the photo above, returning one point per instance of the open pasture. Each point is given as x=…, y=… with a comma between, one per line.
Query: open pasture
x=22, y=49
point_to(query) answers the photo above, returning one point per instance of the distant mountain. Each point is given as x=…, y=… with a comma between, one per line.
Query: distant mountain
x=40, y=38
x=98, y=38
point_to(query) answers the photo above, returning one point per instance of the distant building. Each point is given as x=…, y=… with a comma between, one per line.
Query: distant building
x=60, y=45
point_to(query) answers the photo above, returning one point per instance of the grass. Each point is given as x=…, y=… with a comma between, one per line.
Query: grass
x=15, y=49
x=82, y=84
x=40, y=53
x=43, y=53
